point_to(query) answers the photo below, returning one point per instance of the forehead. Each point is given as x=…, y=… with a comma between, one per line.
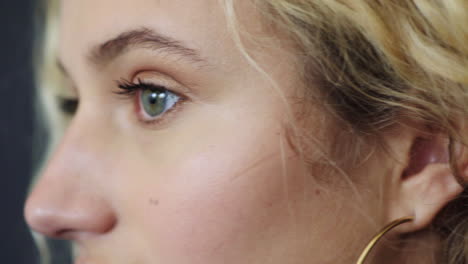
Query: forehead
x=200, y=24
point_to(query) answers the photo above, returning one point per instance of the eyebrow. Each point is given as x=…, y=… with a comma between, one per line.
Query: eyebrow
x=145, y=38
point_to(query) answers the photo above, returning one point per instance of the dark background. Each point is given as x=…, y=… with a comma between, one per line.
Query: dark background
x=17, y=20
x=21, y=22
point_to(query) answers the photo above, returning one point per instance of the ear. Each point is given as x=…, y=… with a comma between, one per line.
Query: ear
x=426, y=184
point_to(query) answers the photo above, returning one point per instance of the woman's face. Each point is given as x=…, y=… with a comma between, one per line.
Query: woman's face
x=178, y=152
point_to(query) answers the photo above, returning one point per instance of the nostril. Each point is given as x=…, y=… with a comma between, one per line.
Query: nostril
x=65, y=234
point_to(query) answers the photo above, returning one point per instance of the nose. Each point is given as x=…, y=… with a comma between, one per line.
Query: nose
x=68, y=201
x=58, y=212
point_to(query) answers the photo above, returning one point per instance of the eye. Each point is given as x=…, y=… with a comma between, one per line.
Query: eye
x=67, y=106
x=152, y=100
x=155, y=102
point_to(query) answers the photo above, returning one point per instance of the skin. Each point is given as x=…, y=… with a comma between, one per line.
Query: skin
x=214, y=181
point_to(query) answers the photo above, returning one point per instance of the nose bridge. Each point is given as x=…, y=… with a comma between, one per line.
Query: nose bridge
x=80, y=154
x=69, y=198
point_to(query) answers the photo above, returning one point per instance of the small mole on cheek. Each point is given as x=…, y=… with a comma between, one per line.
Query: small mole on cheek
x=153, y=201
x=317, y=192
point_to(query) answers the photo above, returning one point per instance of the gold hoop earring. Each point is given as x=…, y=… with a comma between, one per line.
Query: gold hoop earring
x=377, y=237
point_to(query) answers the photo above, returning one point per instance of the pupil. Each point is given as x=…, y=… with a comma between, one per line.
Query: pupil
x=153, y=99
x=154, y=102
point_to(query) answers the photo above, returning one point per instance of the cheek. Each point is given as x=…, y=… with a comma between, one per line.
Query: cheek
x=212, y=207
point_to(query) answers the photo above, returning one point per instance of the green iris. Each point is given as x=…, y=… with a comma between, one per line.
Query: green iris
x=154, y=102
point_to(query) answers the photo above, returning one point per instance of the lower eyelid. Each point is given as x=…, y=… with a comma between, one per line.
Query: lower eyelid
x=168, y=116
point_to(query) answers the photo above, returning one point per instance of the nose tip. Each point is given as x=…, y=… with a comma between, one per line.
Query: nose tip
x=41, y=220
x=69, y=217
x=71, y=198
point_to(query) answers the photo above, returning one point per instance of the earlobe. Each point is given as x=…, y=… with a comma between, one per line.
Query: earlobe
x=426, y=185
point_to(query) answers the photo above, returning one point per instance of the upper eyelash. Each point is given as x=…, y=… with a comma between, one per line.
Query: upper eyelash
x=128, y=88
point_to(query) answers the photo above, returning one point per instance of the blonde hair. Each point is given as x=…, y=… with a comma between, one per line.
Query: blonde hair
x=382, y=63
x=377, y=64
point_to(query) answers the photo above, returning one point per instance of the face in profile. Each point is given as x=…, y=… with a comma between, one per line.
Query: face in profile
x=182, y=148
x=178, y=150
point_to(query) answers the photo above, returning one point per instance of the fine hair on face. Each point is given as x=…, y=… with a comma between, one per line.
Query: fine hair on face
x=249, y=131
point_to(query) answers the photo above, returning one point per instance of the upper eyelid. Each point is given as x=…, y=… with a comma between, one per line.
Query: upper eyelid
x=61, y=66
x=141, y=84
x=64, y=71
x=159, y=78
x=66, y=76
x=127, y=87
x=181, y=91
